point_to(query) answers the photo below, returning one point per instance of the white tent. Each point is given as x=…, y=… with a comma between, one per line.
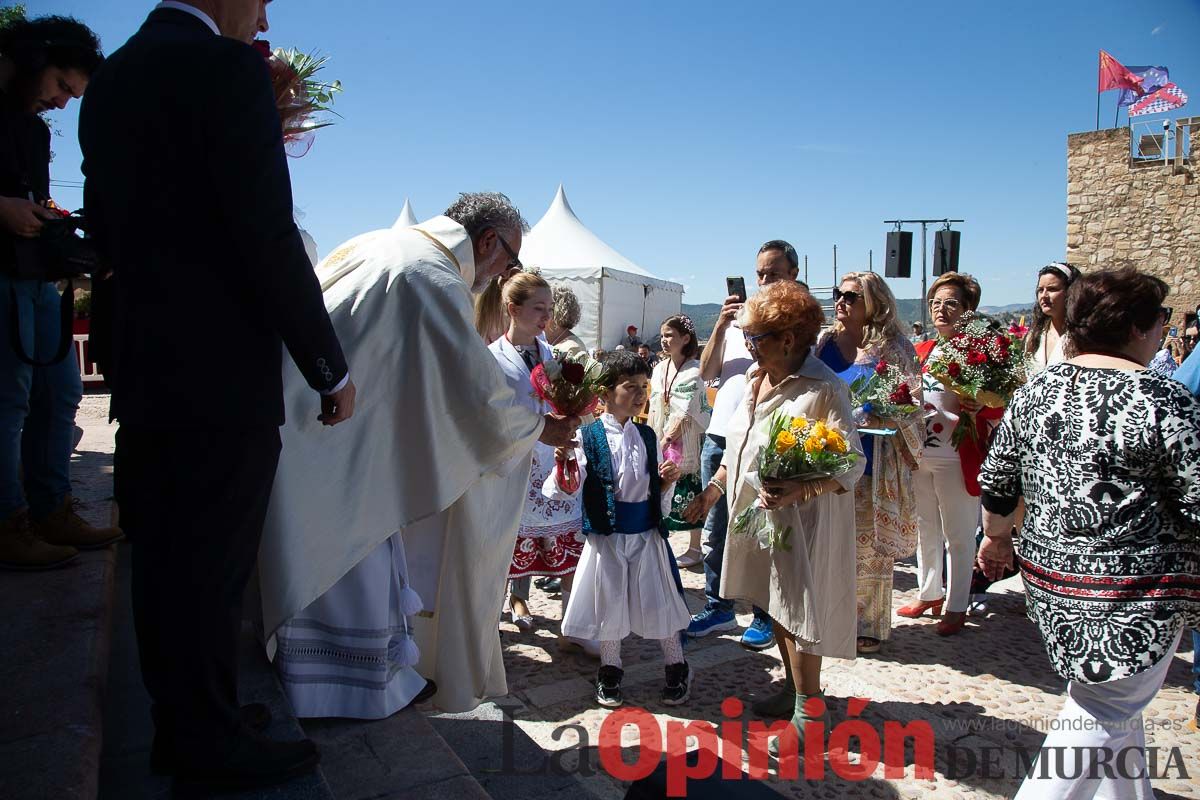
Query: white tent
x=407, y=218
x=613, y=291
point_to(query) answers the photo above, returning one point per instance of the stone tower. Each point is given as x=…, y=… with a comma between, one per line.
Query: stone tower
x=1124, y=211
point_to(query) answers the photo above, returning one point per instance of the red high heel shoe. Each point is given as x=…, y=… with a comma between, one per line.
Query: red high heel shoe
x=952, y=624
x=914, y=610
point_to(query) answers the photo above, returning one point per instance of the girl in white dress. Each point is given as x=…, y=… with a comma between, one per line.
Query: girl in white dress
x=549, y=541
x=1045, y=344
x=679, y=415
x=627, y=580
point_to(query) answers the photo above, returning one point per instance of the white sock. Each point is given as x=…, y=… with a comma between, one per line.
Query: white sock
x=672, y=650
x=610, y=654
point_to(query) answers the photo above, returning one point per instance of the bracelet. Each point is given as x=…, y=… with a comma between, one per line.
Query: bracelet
x=720, y=486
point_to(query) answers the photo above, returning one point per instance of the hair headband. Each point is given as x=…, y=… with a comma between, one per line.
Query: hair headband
x=1061, y=269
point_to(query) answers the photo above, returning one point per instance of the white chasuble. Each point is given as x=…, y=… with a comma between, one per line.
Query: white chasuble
x=428, y=456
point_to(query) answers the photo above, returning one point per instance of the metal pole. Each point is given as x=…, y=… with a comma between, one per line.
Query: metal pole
x=806, y=268
x=870, y=262
x=835, y=265
x=924, y=280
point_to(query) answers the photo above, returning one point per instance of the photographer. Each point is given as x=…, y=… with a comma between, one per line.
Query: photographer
x=44, y=64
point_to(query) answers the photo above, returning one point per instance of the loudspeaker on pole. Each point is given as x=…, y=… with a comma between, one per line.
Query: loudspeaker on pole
x=899, y=255
x=945, y=252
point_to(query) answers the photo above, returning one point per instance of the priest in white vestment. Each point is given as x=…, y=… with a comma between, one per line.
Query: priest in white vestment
x=387, y=546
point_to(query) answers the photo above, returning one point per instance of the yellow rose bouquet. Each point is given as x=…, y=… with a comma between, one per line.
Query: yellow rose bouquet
x=797, y=448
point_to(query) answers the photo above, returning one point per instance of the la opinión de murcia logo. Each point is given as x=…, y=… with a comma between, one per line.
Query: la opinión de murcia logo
x=738, y=750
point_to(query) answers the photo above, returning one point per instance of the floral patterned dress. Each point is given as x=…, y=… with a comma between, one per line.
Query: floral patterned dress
x=679, y=405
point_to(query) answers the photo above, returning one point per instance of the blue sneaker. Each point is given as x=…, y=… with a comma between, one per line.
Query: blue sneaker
x=711, y=620
x=759, y=635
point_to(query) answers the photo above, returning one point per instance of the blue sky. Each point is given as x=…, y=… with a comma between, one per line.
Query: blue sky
x=687, y=133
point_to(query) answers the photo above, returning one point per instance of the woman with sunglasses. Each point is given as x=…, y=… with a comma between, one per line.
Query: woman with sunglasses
x=865, y=334
x=947, y=484
x=1106, y=455
x=1045, y=344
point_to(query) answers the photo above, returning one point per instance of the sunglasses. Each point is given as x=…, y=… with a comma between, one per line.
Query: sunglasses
x=752, y=340
x=514, y=263
x=850, y=297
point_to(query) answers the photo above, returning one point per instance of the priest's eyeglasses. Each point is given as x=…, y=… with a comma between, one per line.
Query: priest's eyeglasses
x=515, y=263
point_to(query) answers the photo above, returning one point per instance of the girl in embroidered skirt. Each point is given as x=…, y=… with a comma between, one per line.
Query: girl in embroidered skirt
x=549, y=540
x=627, y=579
x=679, y=414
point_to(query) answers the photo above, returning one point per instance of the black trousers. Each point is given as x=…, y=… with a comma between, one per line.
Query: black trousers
x=193, y=504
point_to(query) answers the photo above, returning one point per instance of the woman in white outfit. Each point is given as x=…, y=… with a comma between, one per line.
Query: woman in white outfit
x=550, y=540
x=1046, y=342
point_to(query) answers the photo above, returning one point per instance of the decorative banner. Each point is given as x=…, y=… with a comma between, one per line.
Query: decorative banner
x=1153, y=79
x=1165, y=99
x=1114, y=76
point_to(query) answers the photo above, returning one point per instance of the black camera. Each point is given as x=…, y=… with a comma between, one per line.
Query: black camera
x=59, y=252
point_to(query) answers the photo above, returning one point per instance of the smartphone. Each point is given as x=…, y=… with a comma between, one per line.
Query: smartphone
x=1173, y=333
x=736, y=286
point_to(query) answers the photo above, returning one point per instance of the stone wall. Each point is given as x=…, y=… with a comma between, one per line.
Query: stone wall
x=1145, y=215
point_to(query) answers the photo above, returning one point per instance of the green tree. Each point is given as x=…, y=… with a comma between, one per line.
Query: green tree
x=8, y=13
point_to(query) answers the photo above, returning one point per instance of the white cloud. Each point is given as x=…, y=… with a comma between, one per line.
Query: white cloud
x=1158, y=29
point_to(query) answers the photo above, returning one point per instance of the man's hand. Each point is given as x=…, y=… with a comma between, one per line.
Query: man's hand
x=559, y=431
x=339, y=406
x=23, y=217
x=697, y=510
x=729, y=309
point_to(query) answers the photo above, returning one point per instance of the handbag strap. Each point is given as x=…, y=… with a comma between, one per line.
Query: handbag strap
x=66, y=337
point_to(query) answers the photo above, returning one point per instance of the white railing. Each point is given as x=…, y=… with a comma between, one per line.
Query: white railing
x=87, y=370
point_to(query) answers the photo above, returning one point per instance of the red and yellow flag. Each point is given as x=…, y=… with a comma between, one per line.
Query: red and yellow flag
x=1115, y=76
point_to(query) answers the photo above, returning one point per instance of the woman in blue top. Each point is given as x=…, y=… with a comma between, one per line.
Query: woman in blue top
x=866, y=333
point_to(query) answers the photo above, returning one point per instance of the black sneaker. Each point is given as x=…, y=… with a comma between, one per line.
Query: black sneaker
x=679, y=684
x=608, y=686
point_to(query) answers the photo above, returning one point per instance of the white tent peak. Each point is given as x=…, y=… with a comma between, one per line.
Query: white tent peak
x=561, y=241
x=407, y=218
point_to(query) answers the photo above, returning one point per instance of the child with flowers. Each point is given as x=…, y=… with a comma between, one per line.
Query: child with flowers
x=627, y=580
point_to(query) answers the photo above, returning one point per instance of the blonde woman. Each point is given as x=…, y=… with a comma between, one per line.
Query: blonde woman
x=550, y=539
x=679, y=414
x=865, y=334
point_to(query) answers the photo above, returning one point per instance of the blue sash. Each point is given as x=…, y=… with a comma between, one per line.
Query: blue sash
x=633, y=517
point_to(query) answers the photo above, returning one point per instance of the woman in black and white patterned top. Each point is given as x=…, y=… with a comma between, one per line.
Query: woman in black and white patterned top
x=1107, y=458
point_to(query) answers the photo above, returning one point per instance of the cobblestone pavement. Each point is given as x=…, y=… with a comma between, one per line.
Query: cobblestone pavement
x=986, y=693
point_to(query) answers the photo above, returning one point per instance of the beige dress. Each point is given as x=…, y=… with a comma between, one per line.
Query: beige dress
x=809, y=590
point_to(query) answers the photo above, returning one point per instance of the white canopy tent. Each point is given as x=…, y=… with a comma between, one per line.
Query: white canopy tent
x=407, y=218
x=613, y=292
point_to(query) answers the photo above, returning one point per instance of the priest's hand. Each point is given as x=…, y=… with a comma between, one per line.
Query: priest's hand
x=339, y=406
x=559, y=431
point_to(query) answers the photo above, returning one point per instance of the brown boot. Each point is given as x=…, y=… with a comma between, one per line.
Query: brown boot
x=64, y=526
x=21, y=550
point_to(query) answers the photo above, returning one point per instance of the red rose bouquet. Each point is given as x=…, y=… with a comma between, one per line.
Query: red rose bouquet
x=982, y=362
x=571, y=386
x=885, y=393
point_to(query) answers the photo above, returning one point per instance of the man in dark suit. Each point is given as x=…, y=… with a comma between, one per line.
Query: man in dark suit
x=190, y=198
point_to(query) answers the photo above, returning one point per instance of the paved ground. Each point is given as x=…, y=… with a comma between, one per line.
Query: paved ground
x=985, y=693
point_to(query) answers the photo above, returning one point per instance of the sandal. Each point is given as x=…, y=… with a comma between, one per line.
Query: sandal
x=869, y=644
x=690, y=559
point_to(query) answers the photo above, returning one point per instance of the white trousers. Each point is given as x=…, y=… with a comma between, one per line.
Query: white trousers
x=1100, y=718
x=946, y=521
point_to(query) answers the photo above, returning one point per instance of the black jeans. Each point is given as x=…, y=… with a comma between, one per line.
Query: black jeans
x=193, y=504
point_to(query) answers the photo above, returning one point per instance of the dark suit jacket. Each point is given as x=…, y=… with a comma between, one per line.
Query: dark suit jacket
x=188, y=190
